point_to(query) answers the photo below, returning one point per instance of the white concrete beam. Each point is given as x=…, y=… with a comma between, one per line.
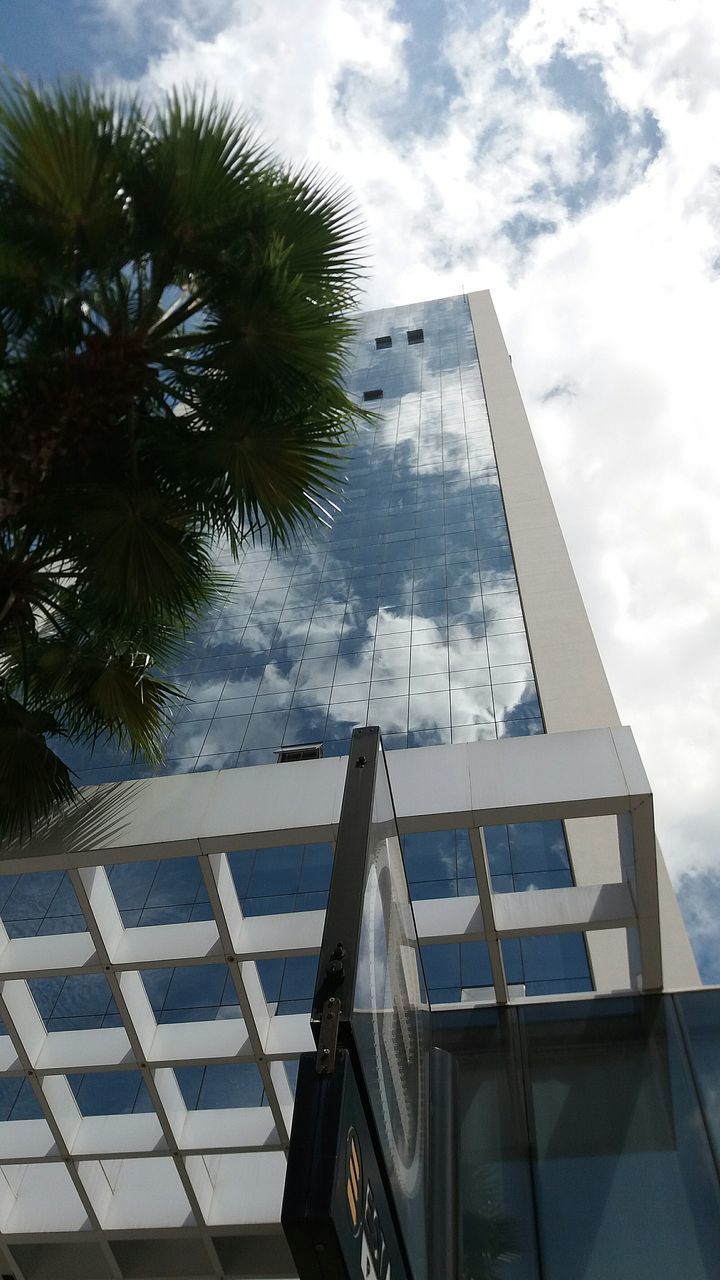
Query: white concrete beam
x=574, y=774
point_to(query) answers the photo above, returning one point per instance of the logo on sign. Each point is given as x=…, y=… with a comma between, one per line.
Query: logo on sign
x=374, y=1260
x=354, y=1183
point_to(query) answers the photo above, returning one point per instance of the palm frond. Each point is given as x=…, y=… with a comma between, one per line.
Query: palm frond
x=318, y=221
x=185, y=190
x=114, y=698
x=143, y=558
x=59, y=157
x=174, y=327
x=33, y=779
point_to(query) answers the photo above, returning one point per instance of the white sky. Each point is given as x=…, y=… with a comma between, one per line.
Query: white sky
x=464, y=130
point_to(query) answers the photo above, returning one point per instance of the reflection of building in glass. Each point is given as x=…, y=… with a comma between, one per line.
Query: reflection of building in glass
x=440, y=604
x=405, y=612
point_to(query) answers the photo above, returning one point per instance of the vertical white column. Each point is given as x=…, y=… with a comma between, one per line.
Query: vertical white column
x=572, y=686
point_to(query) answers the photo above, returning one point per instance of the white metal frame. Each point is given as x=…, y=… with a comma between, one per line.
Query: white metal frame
x=207, y=1175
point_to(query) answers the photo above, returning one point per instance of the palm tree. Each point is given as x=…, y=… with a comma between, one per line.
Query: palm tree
x=173, y=332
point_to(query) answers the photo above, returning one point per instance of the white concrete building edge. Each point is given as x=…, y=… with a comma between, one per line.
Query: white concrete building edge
x=572, y=686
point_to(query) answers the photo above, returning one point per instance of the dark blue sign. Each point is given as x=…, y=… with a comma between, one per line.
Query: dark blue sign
x=336, y=1212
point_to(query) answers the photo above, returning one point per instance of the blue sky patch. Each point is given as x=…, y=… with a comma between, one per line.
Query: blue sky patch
x=699, y=897
x=432, y=81
x=523, y=228
x=47, y=40
x=579, y=86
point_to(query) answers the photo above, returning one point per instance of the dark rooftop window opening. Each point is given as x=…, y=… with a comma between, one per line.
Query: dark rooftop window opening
x=383, y=343
x=414, y=336
x=375, y=394
x=304, y=751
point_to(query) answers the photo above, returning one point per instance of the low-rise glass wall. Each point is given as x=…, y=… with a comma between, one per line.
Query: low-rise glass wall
x=589, y=1138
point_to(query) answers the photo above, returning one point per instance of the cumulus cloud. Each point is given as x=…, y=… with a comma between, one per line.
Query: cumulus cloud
x=629, y=308
x=300, y=67
x=565, y=157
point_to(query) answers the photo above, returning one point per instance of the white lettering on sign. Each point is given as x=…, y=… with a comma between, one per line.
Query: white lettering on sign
x=375, y=1261
x=367, y=1266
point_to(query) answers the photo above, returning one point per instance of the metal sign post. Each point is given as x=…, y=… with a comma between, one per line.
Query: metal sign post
x=357, y=1180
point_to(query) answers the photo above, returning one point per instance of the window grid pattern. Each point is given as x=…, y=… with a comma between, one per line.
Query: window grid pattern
x=288, y=879
x=206, y=992
x=86, y=1038
x=405, y=614
x=151, y=1120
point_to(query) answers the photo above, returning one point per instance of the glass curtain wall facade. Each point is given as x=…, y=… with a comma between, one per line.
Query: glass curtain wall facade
x=588, y=1138
x=404, y=612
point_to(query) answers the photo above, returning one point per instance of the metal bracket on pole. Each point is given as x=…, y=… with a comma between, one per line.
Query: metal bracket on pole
x=328, y=1037
x=327, y=1032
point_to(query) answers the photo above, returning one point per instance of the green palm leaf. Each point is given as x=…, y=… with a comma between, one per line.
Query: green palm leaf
x=99, y=694
x=174, y=328
x=33, y=779
x=143, y=558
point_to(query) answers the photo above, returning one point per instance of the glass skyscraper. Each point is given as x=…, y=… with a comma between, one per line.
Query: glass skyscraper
x=161, y=947
x=403, y=611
